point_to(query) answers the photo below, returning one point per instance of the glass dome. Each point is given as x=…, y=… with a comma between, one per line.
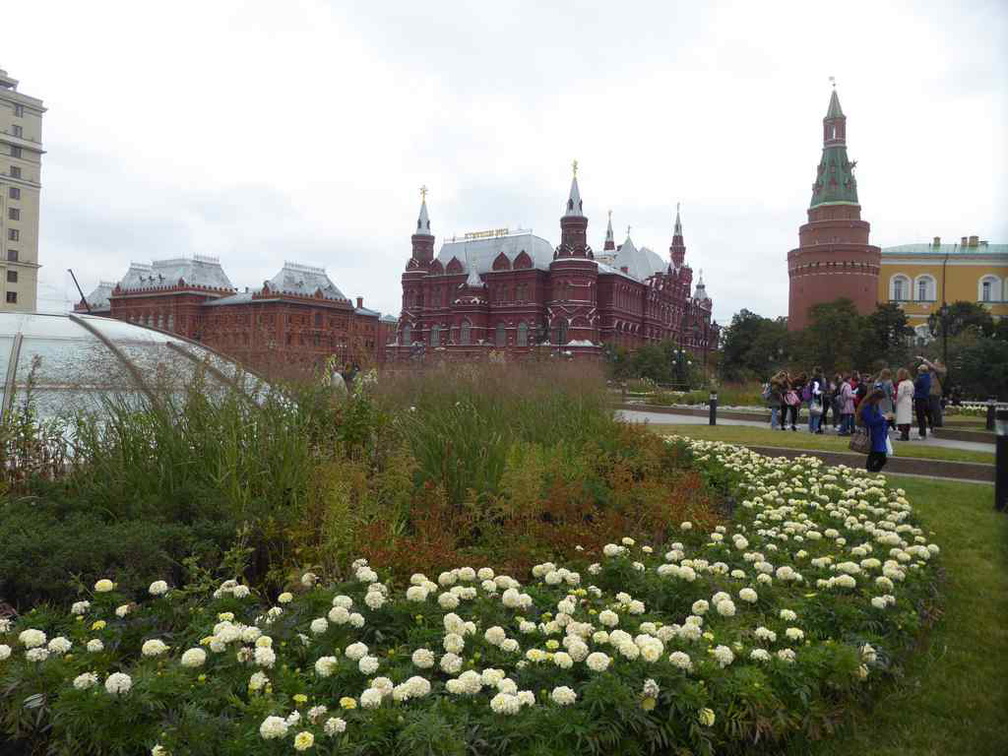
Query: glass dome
x=71, y=363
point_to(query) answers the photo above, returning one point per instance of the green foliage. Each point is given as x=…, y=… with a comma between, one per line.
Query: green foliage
x=961, y=317
x=753, y=347
x=664, y=362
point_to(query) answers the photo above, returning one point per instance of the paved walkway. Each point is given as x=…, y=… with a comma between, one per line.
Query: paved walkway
x=663, y=418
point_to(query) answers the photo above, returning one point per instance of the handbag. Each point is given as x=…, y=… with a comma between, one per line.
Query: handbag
x=791, y=399
x=860, y=442
x=815, y=409
x=889, y=446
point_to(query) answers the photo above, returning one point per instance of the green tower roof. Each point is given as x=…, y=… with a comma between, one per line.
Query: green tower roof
x=835, y=183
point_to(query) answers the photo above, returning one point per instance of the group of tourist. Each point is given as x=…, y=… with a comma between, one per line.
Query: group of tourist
x=876, y=402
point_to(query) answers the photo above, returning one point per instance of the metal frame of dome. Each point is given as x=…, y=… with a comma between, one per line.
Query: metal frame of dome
x=73, y=337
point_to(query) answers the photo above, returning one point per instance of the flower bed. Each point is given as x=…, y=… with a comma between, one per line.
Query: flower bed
x=725, y=641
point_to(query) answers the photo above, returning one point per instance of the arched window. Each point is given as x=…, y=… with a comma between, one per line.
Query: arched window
x=523, y=334
x=989, y=289
x=501, y=335
x=925, y=289
x=435, y=336
x=465, y=333
x=899, y=288
x=407, y=334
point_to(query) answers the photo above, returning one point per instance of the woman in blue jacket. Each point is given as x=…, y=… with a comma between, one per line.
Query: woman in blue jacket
x=877, y=426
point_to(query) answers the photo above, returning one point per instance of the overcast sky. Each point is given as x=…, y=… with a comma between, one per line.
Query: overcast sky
x=301, y=130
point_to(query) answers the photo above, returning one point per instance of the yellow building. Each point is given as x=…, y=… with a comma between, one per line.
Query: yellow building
x=20, y=185
x=919, y=277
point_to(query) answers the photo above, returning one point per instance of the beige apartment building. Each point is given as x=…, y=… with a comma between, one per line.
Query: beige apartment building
x=20, y=185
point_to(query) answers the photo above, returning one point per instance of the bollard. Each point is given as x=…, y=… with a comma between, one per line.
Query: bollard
x=1001, y=462
x=713, y=408
x=991, y=409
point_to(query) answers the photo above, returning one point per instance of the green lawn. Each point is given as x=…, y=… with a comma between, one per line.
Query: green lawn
x=749, y=436
x=954, y=696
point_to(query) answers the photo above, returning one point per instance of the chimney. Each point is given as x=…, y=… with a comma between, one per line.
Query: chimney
x=360, y=302
x=974, y=241
x=962, y=242
x=936, y=242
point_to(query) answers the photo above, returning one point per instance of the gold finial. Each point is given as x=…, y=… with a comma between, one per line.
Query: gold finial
x=574, y=168
x=423, y=193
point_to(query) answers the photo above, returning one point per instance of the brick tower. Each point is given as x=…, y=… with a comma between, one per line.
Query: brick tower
x=571, y=312
x=834, y=258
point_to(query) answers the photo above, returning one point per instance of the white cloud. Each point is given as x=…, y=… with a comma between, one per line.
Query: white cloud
x=264, y=131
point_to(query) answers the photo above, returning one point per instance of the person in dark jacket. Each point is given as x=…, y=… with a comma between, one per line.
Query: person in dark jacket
x=877, y=425
x=922, y=398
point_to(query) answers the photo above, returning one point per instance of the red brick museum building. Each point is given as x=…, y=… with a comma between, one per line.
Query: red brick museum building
x=834, y=258
x=511, y=292
x=296, y=320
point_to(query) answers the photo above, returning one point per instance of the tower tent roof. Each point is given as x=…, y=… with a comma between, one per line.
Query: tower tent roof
x=834, y=110
x=423, y=221
x=573, y=207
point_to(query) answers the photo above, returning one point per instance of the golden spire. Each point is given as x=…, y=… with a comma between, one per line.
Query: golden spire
x=574, y=168
x=423, y=193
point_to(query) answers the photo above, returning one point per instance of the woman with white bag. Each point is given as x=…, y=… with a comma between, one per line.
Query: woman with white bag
x=877, y=426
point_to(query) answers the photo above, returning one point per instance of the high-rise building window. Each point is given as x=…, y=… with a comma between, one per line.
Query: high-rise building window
x=11, y=297
x=14, y=192
x=15, y=151
x=12, y=276
x=17, y=130
x=15, y=172
x=13, y=234
x=13, y=213
x=12, y=255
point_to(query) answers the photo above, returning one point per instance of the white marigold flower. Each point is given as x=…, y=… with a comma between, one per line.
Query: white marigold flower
x=597, y=661
x=59, y=645
x=879, y=602
x=339, y=615
x=563, y=696
x=495, y=635
x=759, y=654
x=356, y=619
x=635, y=607
x=368, y=665
x=726, y=608
x=309, y=579
x=417, y=593
x=451, y=663
x=700, y=606
x=273, y=728
x=258, y=681
x=765, y=634
x=868, y=653
x=265, y=657
x=37, y=654
x=154, y=647
x=104, y=586
x=453, y=643
x=563, y=660
x=345, y=601
x=241, y=591
x=371, y=699
x=319, y=625
x=374, y=600
x=326, y=665
x=786, y=655
x=194, y=657
x=122, y=610
x=32, y=638
x=787, y=615
x=748, y=595
x=681, y=660
x=158, y=588
x=118, y=684
x=85, y=681
x=505, y=703
x=80, y=607
x=95, y=646
x=334, y=726
x=608, y=618
x=723, y=655
x=794, y=633
x=355, y=651
x=5, y=651
x=423, y=658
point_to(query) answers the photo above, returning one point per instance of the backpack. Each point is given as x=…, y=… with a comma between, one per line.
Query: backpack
x=765, y=393
x=806, y=393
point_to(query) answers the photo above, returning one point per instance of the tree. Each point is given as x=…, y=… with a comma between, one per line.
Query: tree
x=961, y=317
x=833, y=337
x=887, y=336
x=753, y=346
